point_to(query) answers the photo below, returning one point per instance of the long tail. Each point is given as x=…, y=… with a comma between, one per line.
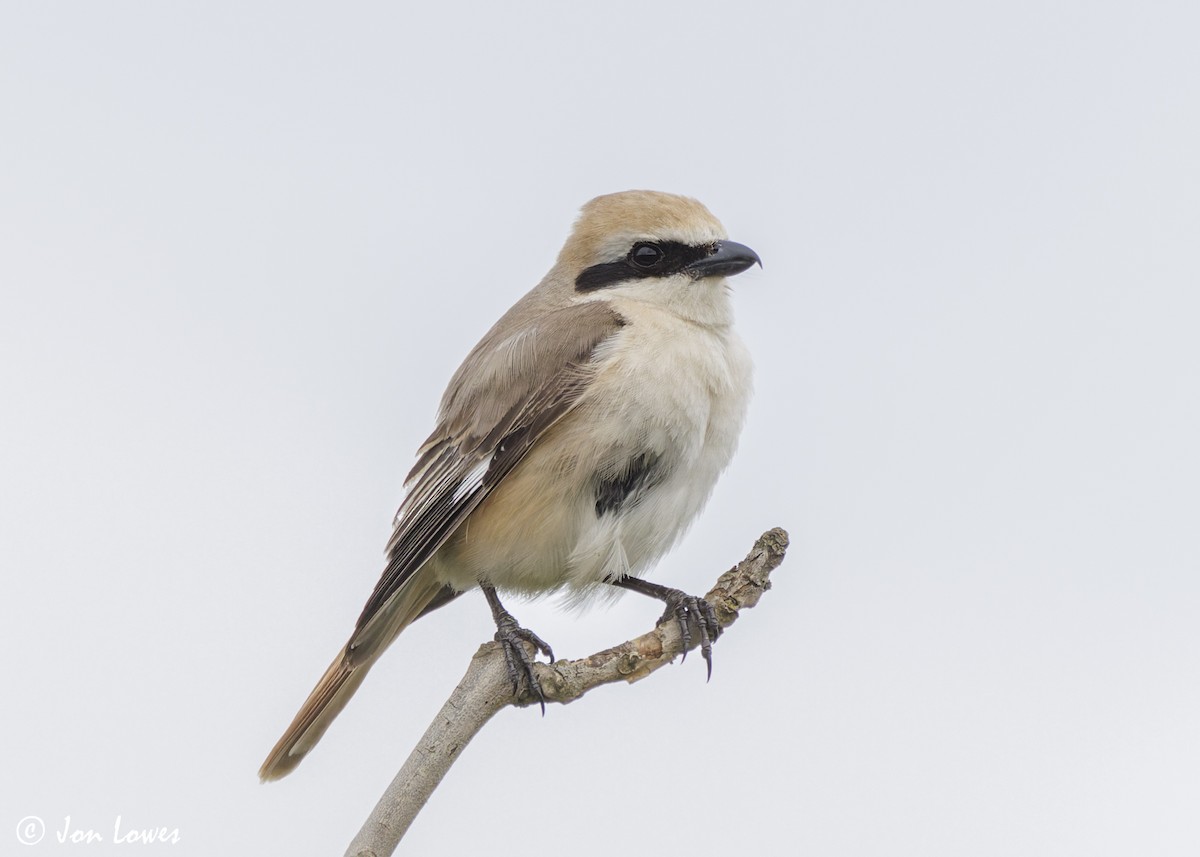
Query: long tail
x=342, y=678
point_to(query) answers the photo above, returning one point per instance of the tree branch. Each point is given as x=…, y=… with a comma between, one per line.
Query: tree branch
x=485, y=689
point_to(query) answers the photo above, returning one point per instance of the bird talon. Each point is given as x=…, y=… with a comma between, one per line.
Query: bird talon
x=681, y=618
x=512, y=639
x=685, y=610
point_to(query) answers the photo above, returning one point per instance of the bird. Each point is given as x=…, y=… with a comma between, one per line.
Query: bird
x=573, y=447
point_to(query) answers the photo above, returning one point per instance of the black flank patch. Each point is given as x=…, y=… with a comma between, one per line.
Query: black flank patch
x=627, y=486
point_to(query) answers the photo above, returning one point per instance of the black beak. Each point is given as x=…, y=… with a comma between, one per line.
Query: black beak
x=727, y=258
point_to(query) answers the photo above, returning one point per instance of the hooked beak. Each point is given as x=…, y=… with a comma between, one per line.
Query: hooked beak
x=728, y=258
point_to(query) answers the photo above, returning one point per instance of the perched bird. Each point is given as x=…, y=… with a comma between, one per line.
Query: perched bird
x=574, y=446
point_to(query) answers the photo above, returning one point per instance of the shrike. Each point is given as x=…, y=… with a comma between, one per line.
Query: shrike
x=574, y=445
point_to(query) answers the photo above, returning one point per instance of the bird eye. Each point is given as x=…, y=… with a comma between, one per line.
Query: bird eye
x=646, y=255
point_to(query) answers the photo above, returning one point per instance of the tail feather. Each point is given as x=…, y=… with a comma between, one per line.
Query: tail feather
x=341, y=680
x=326, y=701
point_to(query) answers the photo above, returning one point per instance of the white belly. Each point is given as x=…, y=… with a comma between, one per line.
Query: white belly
x=669, y=387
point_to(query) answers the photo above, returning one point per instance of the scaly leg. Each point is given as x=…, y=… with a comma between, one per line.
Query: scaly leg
x=512, y=638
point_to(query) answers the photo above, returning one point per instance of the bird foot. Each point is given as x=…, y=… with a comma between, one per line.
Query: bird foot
x=512, y=639
x=688, y=611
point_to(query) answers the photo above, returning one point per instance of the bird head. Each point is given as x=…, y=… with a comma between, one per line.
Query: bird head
x=652, y=247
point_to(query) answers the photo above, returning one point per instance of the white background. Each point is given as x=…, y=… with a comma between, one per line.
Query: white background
x=244, y=245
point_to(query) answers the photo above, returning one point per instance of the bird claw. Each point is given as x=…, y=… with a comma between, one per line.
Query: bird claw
x=512, y=639
x=686, y=610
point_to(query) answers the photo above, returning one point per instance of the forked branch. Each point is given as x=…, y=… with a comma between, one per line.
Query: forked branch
x=485, y=689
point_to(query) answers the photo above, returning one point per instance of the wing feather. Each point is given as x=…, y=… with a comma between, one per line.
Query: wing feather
x=543, y=371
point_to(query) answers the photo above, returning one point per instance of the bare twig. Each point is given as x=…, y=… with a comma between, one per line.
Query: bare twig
x=485, y=689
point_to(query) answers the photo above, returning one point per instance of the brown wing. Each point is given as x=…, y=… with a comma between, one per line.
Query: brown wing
x=507, y=393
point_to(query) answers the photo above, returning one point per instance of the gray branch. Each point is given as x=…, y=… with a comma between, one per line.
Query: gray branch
x=486, y=689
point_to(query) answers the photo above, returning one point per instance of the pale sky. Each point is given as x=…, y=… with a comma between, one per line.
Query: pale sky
x=244, y=245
